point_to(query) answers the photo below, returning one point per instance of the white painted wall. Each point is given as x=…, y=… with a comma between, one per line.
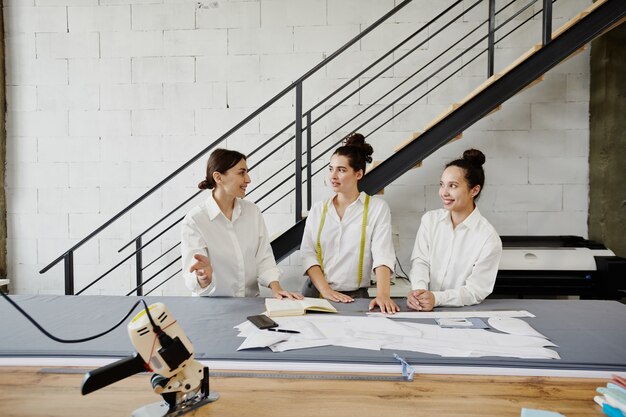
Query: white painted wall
x=107, y=97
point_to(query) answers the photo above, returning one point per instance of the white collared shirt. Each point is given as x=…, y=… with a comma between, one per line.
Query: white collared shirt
x=458, y=265
x=239, y=249
x=341, y=242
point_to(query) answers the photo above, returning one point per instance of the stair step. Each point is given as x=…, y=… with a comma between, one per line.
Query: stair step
x=415, y=136
x=534, y=83
x=499, y=74
x=495, y=109
x=577, y=18
x=571, y=23
x=520, y=59
x=576, y=52
x=443, y=115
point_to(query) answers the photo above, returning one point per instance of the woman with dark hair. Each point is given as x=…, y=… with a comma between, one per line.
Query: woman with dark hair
x=457, y=251
x=224, y=242
x=349, y=236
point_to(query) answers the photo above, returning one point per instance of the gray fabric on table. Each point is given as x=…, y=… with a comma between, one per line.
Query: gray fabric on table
x=591, y=334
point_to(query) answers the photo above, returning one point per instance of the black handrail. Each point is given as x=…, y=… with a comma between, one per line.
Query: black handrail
x=490, y=35
x=490, y=46
x=160, y=256
x=493, y=28
x=154, y=276
x=242, y=123
x=194, y=195
x=480, y=104
x=301, y=128
x=299, y=114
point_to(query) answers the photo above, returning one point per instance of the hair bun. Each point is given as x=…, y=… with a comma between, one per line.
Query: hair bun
x=358, y=140
x=474, y=156
x=205, y=185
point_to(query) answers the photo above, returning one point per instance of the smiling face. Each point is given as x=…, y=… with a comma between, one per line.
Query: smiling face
x=342, y=177
x=234, y=181
x=454, y=191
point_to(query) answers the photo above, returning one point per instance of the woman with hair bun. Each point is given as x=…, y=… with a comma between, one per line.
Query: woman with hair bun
x=349, y=236
x=224, y=241
x=457, y=251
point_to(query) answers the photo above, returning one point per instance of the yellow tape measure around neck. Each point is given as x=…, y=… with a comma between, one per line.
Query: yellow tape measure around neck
x=318, y=246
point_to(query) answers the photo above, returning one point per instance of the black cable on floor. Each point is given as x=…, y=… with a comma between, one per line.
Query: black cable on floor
x=57, y=339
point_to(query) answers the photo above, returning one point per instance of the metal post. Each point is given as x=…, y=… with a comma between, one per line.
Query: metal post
x=68, y=261
x=547, y=22
x=298, y=151
x=491, y=38
x=309, y=168
x=138, y=266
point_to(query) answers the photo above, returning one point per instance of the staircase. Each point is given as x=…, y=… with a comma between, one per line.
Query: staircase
x=311, y=143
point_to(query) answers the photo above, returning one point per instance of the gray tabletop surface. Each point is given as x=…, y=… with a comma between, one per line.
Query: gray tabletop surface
x=591, y=335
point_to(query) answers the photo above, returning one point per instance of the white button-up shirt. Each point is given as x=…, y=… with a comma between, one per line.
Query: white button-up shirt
x=458, y=265
x=341, y=242
x=239, y=249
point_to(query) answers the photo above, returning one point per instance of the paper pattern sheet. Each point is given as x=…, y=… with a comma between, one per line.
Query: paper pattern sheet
x=455, y=314
x=375, y=333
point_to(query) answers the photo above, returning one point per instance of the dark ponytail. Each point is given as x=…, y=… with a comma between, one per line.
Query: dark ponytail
x=358, y=152
x=221, y=160
x=472, y=162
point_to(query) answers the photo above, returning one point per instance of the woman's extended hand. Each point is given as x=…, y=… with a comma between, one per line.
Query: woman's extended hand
x=385, y=303
x=202, y=268
x=280, y=293
x=336, y=296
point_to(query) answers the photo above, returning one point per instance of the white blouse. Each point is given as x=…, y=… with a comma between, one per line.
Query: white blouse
x=239, y=249
x=458, y=265
x=341, y=242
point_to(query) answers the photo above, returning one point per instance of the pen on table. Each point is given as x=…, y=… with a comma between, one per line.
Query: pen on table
x=284, y=331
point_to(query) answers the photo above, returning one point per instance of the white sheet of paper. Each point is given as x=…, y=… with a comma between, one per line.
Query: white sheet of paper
x=297, y=343
x=513, y=326
x=454, y=314
x=476, y=342
x=307, y=329
x=477, y=336
x=374, y=333
x=338, y=327
x=262, y=338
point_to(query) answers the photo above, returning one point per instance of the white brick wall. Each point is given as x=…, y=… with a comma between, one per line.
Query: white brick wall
x=128, y=43
x=98, y=19
x=163, y=16
x=105, y=71
x=107, y=97
x=161, y=69
x=67, y=45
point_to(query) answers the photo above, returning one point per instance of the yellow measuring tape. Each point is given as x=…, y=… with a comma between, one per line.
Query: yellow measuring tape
x=318, y=245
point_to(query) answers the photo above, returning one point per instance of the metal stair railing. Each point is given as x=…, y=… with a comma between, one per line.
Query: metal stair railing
x=605, y=15
x=310, y=122
x=68, y=256
x=302, y=124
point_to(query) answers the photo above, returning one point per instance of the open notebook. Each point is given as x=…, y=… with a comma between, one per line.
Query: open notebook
x=284, y=307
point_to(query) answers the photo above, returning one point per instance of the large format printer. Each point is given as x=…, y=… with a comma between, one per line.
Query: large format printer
x=559, y=265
